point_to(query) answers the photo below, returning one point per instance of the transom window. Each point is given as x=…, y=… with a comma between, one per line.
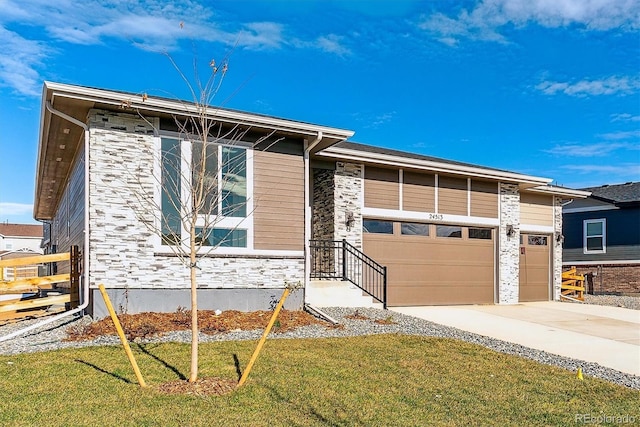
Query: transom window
x=414, y=229
x=595, y=236
x=222, y=210
x=376, y=226
x=480, y=233
x=448, y=231
x=537, y=240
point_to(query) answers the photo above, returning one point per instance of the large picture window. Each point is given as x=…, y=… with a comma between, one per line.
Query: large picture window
x=224, y=183
x=595, y=233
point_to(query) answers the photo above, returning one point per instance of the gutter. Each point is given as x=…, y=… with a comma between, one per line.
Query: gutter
x=307, y=208
x=84, y=295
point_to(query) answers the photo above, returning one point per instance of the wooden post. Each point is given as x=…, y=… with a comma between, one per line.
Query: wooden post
x=123, y=339
x=256, y=352
x=74, y=265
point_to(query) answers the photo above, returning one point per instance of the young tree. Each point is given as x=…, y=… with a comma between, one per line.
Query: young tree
x=211, y=187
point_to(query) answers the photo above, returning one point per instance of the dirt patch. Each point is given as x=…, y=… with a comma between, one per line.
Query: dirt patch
x=146, y=325
x=202, y=387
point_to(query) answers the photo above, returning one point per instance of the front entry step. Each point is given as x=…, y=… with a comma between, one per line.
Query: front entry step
x=337, y=293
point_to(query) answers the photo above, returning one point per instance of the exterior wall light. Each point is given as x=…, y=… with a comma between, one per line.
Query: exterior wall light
x=510, y=231
x=349, y=220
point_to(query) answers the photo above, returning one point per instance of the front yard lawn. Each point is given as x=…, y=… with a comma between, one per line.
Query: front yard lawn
x=377, y=380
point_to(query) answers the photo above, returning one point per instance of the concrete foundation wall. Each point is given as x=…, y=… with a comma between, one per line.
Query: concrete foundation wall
x=134, y=301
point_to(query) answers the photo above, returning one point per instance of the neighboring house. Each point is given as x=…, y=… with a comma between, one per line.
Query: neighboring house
x=20, y=240
x=15, y=237
x=448, y=232
x=602, y=237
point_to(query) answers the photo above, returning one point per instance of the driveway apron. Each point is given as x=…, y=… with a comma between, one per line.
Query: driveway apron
x=609, y=336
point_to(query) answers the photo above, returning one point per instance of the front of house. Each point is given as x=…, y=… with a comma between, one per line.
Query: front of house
x=447, y=232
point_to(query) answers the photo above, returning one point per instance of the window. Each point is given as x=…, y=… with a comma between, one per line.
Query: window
x=448, y=231
x=414, y=229
x=537, y=240
x=171, y=187
x=375, y=226
x=595, y=236
x=222, y=237
x=225, y=191
x=480, y=233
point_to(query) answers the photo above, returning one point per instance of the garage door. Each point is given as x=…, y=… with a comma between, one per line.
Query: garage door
x=534, y=267
x=429, y=264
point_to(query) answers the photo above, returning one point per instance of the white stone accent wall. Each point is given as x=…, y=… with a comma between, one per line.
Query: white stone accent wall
x=122, y=253
x=348, y=197
x=509, y=246
x=557, y=248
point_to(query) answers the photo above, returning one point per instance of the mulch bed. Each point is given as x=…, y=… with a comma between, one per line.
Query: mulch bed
x=145, y=325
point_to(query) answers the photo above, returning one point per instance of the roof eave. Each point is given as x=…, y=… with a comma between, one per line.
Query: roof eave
x=144, y=103
x=385, y=159
x=561, y=191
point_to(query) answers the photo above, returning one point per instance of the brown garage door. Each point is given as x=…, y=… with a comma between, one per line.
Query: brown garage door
x=430, y=264
x=534, y=267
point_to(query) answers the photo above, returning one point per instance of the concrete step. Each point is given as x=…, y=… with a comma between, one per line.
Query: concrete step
x=337, y=293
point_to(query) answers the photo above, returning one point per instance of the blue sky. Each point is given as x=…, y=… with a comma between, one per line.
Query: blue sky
x=548, y=88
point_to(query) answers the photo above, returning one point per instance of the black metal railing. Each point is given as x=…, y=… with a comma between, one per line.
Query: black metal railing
x=338, y=259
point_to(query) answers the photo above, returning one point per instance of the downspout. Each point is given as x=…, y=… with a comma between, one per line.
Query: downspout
x=307, y=212
x=84, y=295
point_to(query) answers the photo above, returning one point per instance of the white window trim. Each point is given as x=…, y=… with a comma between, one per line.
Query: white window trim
x=236, y=223
x=604, y=236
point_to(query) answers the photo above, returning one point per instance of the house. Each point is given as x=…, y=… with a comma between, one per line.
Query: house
x=421, y=230
x=20, y=237
x=17, y=241
x=602, y=237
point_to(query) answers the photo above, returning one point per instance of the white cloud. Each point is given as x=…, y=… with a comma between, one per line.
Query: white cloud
x=19, y=59
x=585, y=150
x=484, y=21
x=609, y=86
x=624, y=117
x=621, y=135
x=332, y=44
x=151, y=25
x=14, y=209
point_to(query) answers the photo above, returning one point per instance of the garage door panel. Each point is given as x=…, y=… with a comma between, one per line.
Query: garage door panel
x=442, y=294
x=430, y=270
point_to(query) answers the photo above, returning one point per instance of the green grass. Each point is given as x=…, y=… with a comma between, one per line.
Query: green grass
x=365, y=381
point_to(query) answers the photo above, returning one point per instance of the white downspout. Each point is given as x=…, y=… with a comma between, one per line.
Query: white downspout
x=307, y=211
x=84, y=295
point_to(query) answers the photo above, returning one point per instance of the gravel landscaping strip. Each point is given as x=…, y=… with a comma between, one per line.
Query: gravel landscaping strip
x=50, y=337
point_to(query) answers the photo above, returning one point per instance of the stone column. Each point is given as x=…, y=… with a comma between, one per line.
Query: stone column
x=557, y=248
x=348, y=199
x=509, y=246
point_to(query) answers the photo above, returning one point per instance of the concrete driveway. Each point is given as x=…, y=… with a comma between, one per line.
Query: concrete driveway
x=609, y=336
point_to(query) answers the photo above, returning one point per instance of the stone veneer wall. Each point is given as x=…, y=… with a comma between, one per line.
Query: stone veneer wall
x=322, y=227
x=557, y=248
x=509, y=247
x=122, y=252
x=348, y=197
